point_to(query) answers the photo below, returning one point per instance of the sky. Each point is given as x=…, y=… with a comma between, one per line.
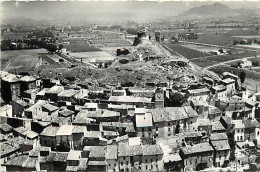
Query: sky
x=42, y=10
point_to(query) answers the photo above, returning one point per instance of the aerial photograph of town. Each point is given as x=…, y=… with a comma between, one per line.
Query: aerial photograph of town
x=130, y=86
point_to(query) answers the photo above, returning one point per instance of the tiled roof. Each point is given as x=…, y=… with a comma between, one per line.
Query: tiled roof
x=123, y=149
x=17, y=161
x=218, y=136
x=50, y=107
x=220, y=145
x=216, y=126
x=6, y=127
x=30, y=162
x=135, y=150
x=130, y=99
x=74, y=155
x=152, y=150
x=219, y=88
x=197, y=148
x=168, y=114
x=65, y=130
x=145, y=120
x=200, y=90
x=49, y=131
x=68, y=93
x=55, y=89
x=96, y=151
x=111, y=152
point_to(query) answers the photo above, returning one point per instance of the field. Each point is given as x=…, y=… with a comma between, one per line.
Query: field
x=187, y=52
x=80, y=47
x=93, y=56
x=221, y=36
x=211, y=60
x=20, y=60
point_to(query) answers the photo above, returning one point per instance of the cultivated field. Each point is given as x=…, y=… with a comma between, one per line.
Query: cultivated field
x=211, y=60
x=20, y=60
x=185, y=51
x=80, y=47
x=93, y=56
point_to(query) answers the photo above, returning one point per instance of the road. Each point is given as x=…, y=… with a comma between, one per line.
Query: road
x=225, y=62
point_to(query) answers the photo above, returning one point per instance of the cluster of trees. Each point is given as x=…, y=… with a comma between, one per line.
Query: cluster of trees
x=37, y=39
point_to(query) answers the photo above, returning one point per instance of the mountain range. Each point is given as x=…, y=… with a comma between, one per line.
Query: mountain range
x=217, y=10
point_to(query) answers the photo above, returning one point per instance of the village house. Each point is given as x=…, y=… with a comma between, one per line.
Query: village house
x=152, y=158
x=41, y=94
x=144, y=125
x=213, y=112
x=96, y=157
x=18, y=107
x=124, y=110
x=230, y=85
x=73, y=159
x=131, y=100
x=228, y=106
x=47, y=136
x=78, y=136
x=201, y=92
x=169, y=121
x=66, y=95
x=10, y=88
x=192, y=137
x=102, y=115
x=64, y=136
x=221, y=152
x=124, y=157
x=245, y=63
x=6, y=130
x=52, y=93
x=200, y=106
x=217, y=127
x=232, y=76
x=111, y=158
x=30, y=95
x=197, y=157
x=27, y=83
x=203, y=125
x=66, y=113
x=219, y=91
x=49, y=108
x=35, y=110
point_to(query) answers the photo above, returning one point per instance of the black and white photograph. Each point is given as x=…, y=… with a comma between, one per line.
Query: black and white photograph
x=130, y=86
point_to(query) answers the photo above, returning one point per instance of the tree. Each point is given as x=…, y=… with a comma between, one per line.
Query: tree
x=52, y=48
x=176, y=99
x=60, y=46
x=242, y=77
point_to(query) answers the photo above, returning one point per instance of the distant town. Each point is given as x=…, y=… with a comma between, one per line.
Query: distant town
x=176, y=94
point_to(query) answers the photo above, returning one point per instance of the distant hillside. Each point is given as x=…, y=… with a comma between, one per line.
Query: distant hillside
x=218, y=10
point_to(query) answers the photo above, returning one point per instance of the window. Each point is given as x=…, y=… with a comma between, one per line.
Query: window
x=121, y=163
x=126, y=162
x=151, y=166
x=109, y=165
x=123, y=158
x=238, y=131
x=258, y=133
x=114, y=165
x=156, y=128
x=237, y=137
x=219, y=157
x=146, y=160
x=169, y=129
x=169, y=124
x=241, y=130
x=190, y=122
x=241, y=137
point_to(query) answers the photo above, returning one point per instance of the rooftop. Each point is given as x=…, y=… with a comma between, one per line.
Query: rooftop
x=49, y=131
x=21, y=102
x=129, y=99
x=221, y=145
x=96, y=151
x=168, y=114
x=219, y=88
x=68, y=93
x=74, y=155
x=111, y=152
x=152, y=150
x=28, y=79
x=65, y=130
x=217, y=126
x=229, y=74
x=218, y=136
x=145, y=120
x=55, y=89
x=6, y=127
x=50, y=107
x=200, y=90
x=228, y=81
x=16, y=161
x=197, y=148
